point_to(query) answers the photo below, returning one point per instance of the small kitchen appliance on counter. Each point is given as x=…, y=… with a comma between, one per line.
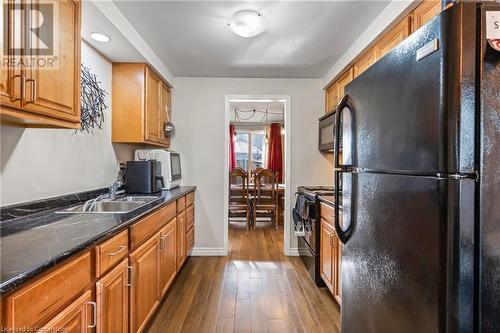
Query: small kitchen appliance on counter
x=170, y=165
x=143, y=177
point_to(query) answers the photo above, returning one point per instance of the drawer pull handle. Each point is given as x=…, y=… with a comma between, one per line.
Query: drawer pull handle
x=130, y=276
x=23, y=87
x=121, y=248
x=94, y=315
x=162, y=243
x=33, y=91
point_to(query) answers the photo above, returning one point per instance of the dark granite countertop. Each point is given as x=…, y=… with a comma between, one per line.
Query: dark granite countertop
x=328, y=199
x=32, y=244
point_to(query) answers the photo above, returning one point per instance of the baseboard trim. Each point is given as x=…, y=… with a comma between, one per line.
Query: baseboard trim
x=293, y=252
x=208, y=252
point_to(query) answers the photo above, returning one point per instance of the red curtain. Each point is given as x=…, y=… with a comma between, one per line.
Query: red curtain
x=232, y=153
x=274, y=155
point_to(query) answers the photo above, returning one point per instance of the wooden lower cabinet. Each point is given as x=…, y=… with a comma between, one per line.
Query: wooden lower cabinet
x=78, y=317
x=338, y=270
x=168, y=255
x=181, y=239
x=145, y=280
x=112, y=300
x=327, y=255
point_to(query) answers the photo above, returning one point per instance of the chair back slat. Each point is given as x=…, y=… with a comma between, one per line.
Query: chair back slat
x=266, y=187
x=238, y=186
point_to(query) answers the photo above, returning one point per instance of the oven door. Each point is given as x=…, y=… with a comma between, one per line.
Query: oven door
x=326, y=130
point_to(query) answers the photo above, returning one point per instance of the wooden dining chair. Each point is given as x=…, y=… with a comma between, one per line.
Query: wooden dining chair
x=239, y=201
x=265, y=195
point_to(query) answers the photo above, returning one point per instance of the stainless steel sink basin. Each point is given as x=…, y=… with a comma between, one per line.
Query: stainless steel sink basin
x=117, y=206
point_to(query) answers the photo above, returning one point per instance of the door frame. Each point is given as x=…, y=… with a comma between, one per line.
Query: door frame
x=286, y=215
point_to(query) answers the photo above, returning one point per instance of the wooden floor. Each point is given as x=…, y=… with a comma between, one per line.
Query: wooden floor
x=254, y=289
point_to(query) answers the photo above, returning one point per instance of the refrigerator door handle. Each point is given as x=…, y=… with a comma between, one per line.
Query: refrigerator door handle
x=343, y=235
x=346, y=102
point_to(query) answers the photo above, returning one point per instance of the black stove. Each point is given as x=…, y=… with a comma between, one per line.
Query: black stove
x=306, y=216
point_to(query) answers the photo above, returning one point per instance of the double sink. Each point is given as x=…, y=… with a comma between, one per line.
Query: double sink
x=116, y=206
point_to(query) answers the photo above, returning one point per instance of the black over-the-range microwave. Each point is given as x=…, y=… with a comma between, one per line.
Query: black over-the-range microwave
x=326, y=132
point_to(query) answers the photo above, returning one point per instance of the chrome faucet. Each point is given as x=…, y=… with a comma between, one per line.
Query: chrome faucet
x=111, y=195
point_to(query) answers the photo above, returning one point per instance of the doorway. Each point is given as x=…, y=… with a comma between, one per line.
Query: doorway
x=251, y=117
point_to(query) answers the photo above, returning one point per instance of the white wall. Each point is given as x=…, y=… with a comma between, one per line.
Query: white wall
x=40, y=163
x=198, y=113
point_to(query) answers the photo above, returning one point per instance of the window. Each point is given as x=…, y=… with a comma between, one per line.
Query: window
x=250, y=149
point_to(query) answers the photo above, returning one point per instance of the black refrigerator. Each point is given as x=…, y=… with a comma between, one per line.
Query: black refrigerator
x=420, y=220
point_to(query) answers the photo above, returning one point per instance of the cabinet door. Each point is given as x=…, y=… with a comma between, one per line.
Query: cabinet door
x=326, y=255
x=112, y=300
x=168, y=255
x=165, y=112
x=181, y=239
x=54, y=92
x=364, y=62
x=76, y=318
x=391, y=39
x=337, y=244
x=10, y=79
x=152, y=115
x=343, y=81
x=331, y=97
x=425, y=12
x=145, y=294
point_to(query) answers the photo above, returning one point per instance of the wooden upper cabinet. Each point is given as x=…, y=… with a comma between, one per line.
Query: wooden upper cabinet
x=343, y=80
x=331, y=97
x=75, y=318
x=46, y=96
x=145, y=280
x=425, y=12
x=112, y=300
x=138, y=103
x=152, y=111
x=165, y=112
x=364, y=62
x=391, y=39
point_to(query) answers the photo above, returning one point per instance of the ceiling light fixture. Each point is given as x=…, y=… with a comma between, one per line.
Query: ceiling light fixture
x=97, y=36
x=246, y=23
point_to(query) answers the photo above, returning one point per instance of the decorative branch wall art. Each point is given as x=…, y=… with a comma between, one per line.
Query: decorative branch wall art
x=92, y=101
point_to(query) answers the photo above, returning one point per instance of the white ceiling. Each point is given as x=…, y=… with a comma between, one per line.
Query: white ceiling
x=302, y=38
x=247, y=115
x=119, y=48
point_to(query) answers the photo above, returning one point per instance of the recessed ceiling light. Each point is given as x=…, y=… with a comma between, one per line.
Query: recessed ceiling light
x=246, y=23
x=97, y=36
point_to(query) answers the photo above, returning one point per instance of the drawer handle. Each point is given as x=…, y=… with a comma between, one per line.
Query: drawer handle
x=130, y=276
x=33, y=91
x=162, y=243
x=121, y=248
x=94, y=316
x=23, y=87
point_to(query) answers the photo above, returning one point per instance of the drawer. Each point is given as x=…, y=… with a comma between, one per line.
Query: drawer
x=327, y=212
x=45, y=297
x=181, y=204
x=189, y=199
x=189, y=217
x=189, y=241
x=111, y=252
x=142, y=230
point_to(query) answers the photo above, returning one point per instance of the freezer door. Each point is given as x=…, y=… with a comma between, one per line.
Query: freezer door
x=413, y=110
x=408, y=264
